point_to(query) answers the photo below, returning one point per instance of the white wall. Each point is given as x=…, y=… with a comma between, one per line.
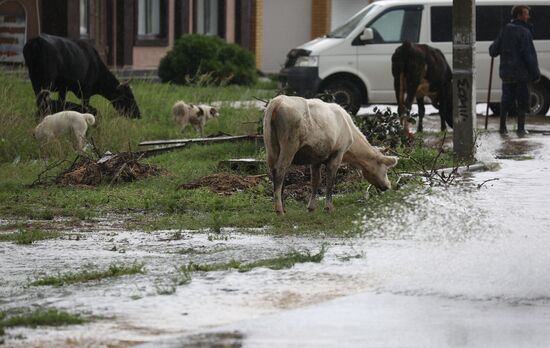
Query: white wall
x=342, y=10
x=287, y=24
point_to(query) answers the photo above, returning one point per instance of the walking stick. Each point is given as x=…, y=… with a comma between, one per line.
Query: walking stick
x=489, y=92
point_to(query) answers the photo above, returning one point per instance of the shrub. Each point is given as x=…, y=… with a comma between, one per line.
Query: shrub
x=384, y=128
x=195, y=56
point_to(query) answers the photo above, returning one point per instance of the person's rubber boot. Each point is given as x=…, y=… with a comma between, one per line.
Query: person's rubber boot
x=503, y=129
x=521, y=125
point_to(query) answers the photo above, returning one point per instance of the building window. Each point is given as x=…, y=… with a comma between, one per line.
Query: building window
x=151, y=23
x=210, y=17
x=84, y=19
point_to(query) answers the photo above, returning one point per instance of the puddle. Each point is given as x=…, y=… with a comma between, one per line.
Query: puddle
x=461, y=247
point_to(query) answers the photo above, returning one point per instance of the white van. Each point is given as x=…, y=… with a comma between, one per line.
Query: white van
x=358, y=71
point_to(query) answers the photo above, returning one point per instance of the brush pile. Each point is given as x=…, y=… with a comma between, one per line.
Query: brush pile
x=110, y=169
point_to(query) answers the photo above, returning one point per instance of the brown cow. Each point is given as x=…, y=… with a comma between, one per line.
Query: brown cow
x=422, y=71
x=310, y=131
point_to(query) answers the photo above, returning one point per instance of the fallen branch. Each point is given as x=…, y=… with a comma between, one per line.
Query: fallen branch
x=486, y=181
x=39, y=180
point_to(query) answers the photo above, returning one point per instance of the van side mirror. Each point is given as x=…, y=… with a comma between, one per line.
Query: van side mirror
x=367, y=35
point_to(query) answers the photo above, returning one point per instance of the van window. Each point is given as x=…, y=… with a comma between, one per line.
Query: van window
x=344, y=30
x=539, y=18
x=397, y=25
x=489, y=22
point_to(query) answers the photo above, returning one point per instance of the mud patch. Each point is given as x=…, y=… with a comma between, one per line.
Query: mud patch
x=297, y=182
x=232, y=339
x=516, y=147
x=225, y=183
x=122, y=167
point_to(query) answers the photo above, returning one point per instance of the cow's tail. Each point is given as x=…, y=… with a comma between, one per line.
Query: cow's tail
x=271, y=139
x=90, y=119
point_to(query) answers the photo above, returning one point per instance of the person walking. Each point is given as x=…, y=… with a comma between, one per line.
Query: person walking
x=518, y=65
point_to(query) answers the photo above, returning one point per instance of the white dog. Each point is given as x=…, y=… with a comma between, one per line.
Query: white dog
x=196, y=115
x=63, y=122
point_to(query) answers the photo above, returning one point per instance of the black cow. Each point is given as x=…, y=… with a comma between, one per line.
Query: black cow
x=48, y=106
x=59, y=65
x=422, y=71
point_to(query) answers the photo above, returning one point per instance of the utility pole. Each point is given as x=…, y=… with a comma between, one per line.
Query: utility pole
x=464, y=84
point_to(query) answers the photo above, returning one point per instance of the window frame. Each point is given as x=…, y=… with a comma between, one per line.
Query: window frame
x=220, y=18
x=85, y=36
x=158, y=40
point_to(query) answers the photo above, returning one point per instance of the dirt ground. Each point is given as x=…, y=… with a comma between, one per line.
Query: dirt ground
x=297, y=182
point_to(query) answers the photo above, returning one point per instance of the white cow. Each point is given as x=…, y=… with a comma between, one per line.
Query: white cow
x=310, y=131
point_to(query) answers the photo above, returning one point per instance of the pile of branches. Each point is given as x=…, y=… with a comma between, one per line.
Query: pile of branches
x=110, y=169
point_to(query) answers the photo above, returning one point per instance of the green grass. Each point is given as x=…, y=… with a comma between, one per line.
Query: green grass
x=156, y=203
x=115, y=133
x=29, y=236
x=114, y=270
x=284, y=261
x=39, y=317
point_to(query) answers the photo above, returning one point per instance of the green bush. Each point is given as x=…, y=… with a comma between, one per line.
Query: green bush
x=384, y=128
x=195, y=56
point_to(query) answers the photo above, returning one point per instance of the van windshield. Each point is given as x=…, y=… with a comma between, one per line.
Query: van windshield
x=347, y=28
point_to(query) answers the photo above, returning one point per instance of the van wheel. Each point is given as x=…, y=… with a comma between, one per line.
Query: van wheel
x=539, y=99
x=345, y=94
x=495, y=108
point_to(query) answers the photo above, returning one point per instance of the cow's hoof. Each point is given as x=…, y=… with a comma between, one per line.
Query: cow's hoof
x=329, y=209
x=311, y=209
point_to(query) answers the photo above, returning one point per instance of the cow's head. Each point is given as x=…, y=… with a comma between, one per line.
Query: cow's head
x=124, y=101
x=376, y=171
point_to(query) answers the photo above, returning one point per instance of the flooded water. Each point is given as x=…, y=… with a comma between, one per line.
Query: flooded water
x=465, y=265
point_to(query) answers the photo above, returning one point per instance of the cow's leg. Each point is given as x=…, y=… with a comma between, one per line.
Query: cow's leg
x=421, y=113
x=315, y=181
x=62, y=96
x=86, y=105
x=278, y=176
x=399, y=88
x=331, y=170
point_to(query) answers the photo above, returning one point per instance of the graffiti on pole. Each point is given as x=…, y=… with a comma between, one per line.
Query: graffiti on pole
x=464, y=88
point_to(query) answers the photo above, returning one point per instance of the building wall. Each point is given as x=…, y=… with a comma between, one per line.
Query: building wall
x=342, y=10
x=286, y=24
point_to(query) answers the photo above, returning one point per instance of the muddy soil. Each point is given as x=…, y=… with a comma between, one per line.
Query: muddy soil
x=297, y=182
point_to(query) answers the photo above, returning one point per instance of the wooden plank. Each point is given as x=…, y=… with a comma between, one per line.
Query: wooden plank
x=159, y=150
x=201, y=140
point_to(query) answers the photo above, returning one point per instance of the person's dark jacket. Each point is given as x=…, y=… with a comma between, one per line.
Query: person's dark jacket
x=518, y=58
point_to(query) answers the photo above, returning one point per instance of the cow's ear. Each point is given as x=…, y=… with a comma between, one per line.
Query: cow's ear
x=200, y=113
x=390, y=161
